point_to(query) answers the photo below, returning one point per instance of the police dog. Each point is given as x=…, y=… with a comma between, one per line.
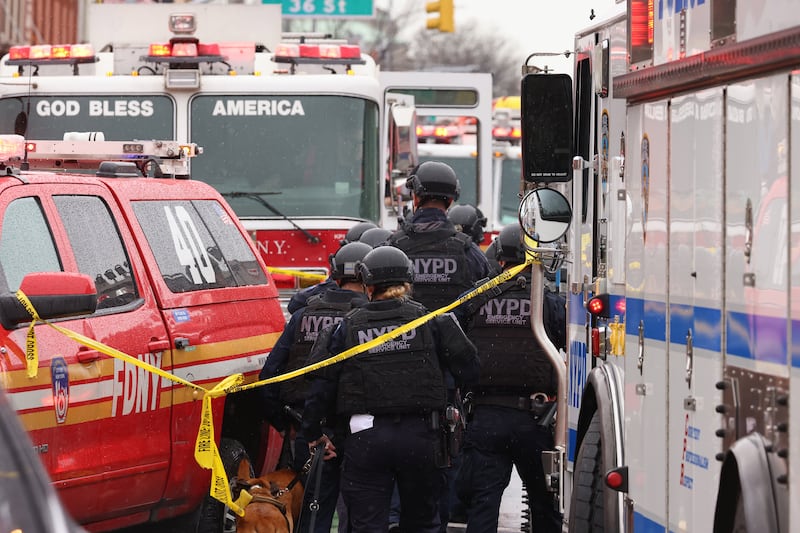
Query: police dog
x=277, y=501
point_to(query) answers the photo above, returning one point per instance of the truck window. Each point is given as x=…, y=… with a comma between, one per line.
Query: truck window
x=197, y=246
x=309, y=155
x=98, y=248
x=120, y=118
x=26, y=242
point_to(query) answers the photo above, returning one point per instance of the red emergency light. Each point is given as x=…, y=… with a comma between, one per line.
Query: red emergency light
x=43, y=52
x=320, y=53
x=506, y=133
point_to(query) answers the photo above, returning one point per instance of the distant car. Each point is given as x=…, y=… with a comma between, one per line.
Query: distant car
x=29, y=501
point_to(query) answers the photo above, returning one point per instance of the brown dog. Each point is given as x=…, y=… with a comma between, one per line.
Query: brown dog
x=275, y=507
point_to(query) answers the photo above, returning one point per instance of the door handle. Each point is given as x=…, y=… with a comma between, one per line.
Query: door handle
x=158, y=345
x=86, y=355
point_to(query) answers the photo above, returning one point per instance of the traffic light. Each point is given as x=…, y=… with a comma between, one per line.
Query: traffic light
x=444, y=21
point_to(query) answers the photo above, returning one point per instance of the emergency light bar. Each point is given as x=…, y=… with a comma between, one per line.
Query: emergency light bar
x=171, y=156
x=506, y=133
x=319, y=53
x=51, y=54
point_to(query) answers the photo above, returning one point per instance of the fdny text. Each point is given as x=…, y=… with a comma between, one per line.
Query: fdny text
x=135, y=389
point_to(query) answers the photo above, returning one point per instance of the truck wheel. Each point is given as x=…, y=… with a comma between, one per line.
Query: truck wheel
x=586, y=508
x=216, y=517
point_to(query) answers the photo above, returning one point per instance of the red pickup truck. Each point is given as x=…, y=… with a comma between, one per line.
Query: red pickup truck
x=160, y=269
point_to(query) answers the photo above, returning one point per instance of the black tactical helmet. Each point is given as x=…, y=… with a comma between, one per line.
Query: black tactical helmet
x=509, y=245
x=375, y=236
x=491, y=256
x=386, y=265
x=434, y=178
x=468, y=219
x=344, y=261
x=354, y=234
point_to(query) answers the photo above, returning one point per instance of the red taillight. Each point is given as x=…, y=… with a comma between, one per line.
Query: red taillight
x=596, y=342
x=30, y=147
x=598, y=305
x=162, y=50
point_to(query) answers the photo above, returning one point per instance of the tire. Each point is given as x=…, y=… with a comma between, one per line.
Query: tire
x=586, y=512
x=216, y=517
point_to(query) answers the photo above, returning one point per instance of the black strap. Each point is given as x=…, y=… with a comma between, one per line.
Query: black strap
x=315, y=473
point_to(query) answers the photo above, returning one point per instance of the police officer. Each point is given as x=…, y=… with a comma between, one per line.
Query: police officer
x=446, y=261
x=375, y=236
x=469, y=220
x=300, y=298
x=390, y=398
x=291, y=352
x=512, y=403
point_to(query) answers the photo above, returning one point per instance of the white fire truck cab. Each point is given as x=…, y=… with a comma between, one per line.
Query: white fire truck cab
x=679, y=146
x=294, y=127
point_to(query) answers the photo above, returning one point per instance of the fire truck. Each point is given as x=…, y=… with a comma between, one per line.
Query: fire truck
x=678, y=146
x=297, y=134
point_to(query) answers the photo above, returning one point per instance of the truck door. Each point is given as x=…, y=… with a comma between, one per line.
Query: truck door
x=219, y=306
x=695, y=299
x=464, y=99
x=95, y=421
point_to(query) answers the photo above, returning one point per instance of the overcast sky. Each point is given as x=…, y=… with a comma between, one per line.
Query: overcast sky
x=535, y=25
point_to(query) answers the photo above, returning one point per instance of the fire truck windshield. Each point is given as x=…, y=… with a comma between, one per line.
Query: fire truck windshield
x=316, y=155
x=120, y=118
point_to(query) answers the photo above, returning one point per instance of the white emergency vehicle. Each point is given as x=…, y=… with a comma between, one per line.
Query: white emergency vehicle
x=295, y=127
x=680, y=151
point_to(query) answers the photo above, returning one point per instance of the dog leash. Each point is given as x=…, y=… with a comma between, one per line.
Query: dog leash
x=315, y=473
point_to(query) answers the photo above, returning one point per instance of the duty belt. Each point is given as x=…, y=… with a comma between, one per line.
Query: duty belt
x=537, y=403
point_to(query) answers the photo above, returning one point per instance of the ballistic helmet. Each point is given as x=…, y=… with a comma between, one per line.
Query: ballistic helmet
x=354, y=234
x=469, y=220
x=375, y=236
x=509, y=245
x=491, y=256
x=386, y=265
x=434, y=178
x=344, y=262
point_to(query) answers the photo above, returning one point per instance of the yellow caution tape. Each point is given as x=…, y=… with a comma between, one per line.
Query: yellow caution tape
x=298, y=273
x=355, y=350
x=206, y=452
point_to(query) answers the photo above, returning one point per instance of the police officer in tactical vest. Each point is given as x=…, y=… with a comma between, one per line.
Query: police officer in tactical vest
x=291, y=352
x=446, y=261
x=390, y=398
x=512, y=404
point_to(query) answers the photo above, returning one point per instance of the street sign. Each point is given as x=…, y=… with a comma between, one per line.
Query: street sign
x=325, y=8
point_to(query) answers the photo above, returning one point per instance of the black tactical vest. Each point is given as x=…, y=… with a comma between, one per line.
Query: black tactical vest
x=400, y=376
x=323, y=310
x=441, y=272
x=512, y=360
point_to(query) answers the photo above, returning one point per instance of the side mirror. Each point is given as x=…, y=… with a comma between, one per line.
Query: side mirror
x=545, y=215
x=402, y=137
x=52, y=294
x=547, y=128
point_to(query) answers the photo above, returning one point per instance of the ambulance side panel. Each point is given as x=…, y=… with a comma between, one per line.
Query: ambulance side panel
x=646, y=326
x=695, y=300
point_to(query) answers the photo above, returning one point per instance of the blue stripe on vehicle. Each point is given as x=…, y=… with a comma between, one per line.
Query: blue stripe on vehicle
x=642, y=524
x=757, y=337
x=572, y=439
